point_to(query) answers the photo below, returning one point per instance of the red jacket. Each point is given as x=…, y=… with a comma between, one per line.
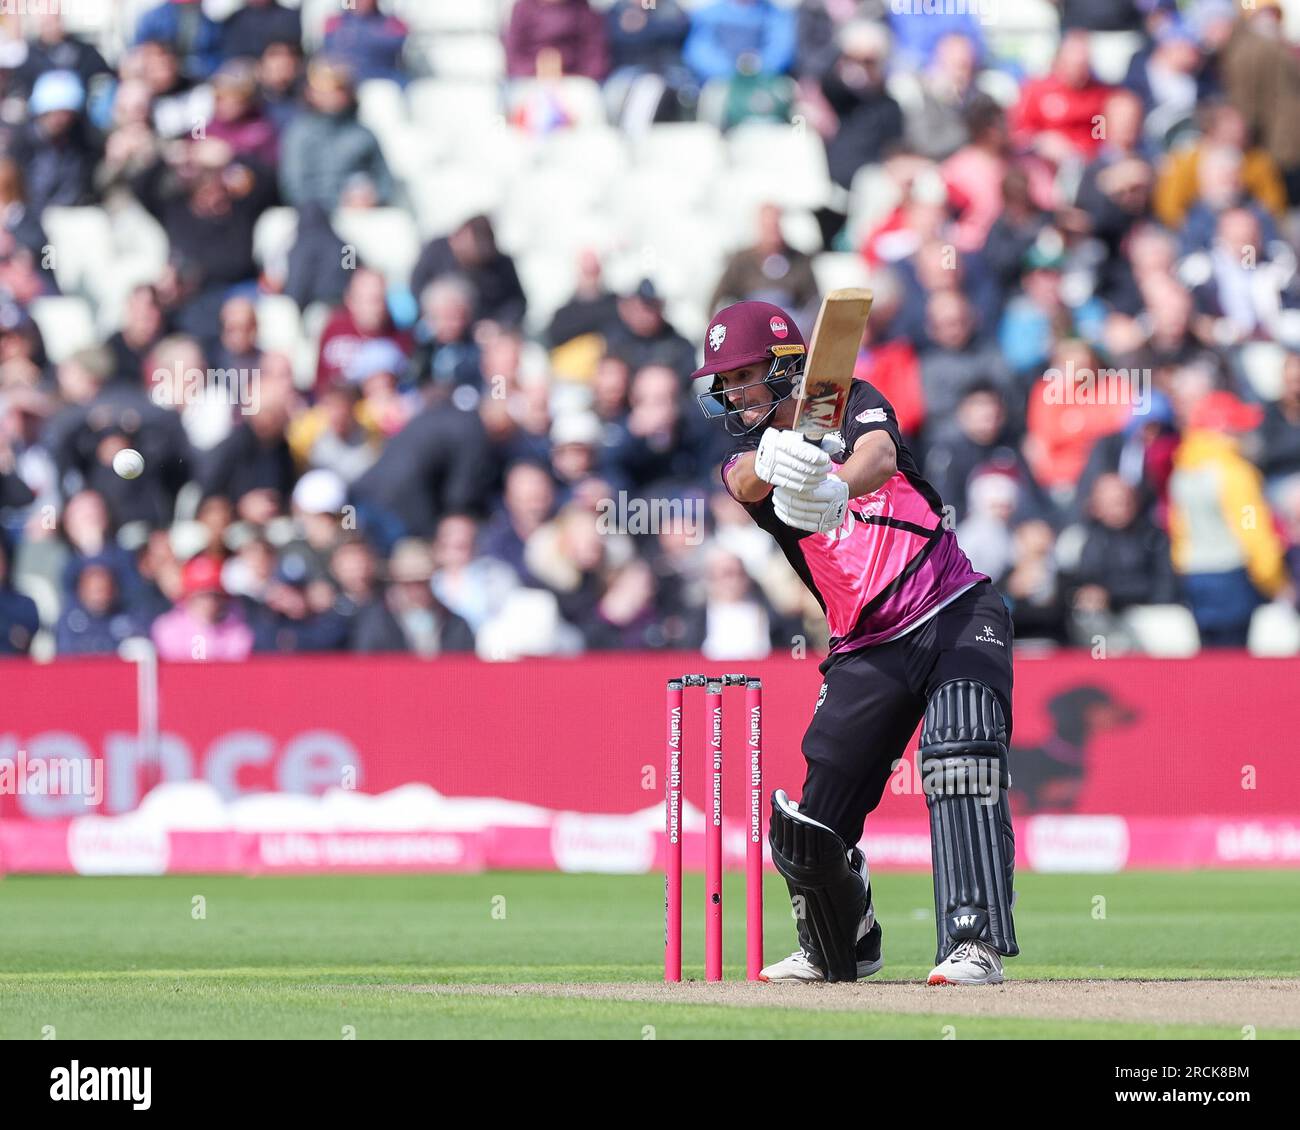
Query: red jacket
x=1047, y=105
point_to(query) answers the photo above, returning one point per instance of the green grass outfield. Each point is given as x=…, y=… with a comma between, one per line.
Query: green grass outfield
x=315, y=957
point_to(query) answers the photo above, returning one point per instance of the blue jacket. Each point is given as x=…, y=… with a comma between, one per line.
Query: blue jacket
x=724, y=31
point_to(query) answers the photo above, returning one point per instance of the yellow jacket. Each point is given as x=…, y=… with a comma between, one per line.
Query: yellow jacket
x=1177, y=189
x=1218, y=518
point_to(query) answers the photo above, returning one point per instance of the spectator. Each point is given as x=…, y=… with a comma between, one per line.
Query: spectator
x=1259, y=71
x=315, y=271
x=238, y=120
x=413, y=619
x=19, y=620
x=206, y=624
x=1168, y=77
x=1070, y=408
x=336, y=435
x=733, y=622
x=869, y=120
x=643, y=336
x=237, y=345
x=888, y=359
x=1015, y=230
x=921, y=29
x=58, y=148
x=593, y=309
x=556, y=37
x=1031, y=588
x=1223, y=127
x=472, y=585
x=368, y=42
x=1278, y=438
x=1225, y=548
x=354, y=569
x=974, y=174
x=183, y=26
x=981, y=441
x=436, y=465
x=376, y=368
x=768, y=271
x=363, y=317
x=740, y=37
x=649, y=81
x=955, y=360
x=208, y=204
x=253, y=466
x=1141, y=455
x=471, y=252
x=656, y=445
x=297, y=612
x=1220, y=188
x=985, y=534
x=280, y=82
x=1056, y=116
x=56, y=49
x=937, y=126
x=1123, y=558
x=326, y=146
x=445, y=350
x=96, y=622
x=17, y=218
x=1247, y=293
x=528, y=499
x=175, y=103
x=251, y=29
x=144, y=325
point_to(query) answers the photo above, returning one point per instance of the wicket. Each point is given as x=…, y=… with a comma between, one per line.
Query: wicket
x=713, y=687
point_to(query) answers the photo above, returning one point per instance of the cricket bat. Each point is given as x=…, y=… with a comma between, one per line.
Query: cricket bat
x=832, y=355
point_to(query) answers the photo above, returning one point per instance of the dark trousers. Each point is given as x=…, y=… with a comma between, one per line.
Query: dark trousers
x=872, y=701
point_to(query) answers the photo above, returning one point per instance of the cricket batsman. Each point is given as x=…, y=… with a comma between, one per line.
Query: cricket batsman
x=916, y=636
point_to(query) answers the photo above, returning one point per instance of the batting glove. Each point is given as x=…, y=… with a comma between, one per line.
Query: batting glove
x=786, y=459
x=818, y=510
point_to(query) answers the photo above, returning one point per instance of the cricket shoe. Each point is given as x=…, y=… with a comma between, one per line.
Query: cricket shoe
x=799, y=968
x=970, y=963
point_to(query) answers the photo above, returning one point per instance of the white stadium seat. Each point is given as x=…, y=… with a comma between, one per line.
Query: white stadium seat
x=1274, y=631
x=66, y=325
x=1165, y=631
x=478, y=58
x=279, y=325
x=425, y=16
x=693, y=149
x=381, y=106
x=82, y=243
x=835, y=269
x=449, y=108
x=274, y=235
x=385, y=238
x=450, y=196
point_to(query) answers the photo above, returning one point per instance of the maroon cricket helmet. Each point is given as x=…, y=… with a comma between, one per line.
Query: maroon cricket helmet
x=744, y=334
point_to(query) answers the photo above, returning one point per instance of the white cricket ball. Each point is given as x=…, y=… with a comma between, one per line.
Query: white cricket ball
x=128, y=463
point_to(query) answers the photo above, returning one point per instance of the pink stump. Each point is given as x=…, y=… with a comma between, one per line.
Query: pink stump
x=673, y=837
x=754, y=847
x=713, y=833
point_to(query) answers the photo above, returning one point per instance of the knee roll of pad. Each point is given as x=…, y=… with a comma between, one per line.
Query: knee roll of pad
x=965, y=776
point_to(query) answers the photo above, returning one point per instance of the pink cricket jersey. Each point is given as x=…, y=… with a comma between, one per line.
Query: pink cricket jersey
x=892, y=563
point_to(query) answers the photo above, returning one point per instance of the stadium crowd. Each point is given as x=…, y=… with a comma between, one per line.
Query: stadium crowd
x=1087, y=318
